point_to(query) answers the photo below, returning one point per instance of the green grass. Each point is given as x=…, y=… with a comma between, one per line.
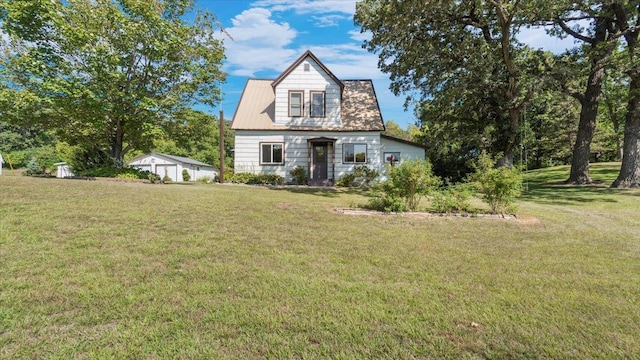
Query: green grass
x=106, y=269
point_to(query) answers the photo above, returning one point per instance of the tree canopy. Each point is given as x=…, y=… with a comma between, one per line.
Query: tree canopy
x=472, y=82
x=107, y=75
x=458, y=55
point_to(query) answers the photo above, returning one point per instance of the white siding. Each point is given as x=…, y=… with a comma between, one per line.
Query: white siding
x=407, y=152
x=173, y=169
x=63, y=170
x=313, y=80
x=247, y=151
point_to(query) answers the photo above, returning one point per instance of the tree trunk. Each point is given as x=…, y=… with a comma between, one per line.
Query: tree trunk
x=588, y=114
x=615, y=121
x=629, y=176
x=117, y=144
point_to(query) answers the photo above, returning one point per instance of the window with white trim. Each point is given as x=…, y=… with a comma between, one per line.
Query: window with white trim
x=317, y=104
x=271, y=153
x=354, y=153
x=392, y=158
x=296, y=101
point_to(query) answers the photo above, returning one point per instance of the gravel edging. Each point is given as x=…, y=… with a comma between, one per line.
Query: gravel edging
x=422, y=215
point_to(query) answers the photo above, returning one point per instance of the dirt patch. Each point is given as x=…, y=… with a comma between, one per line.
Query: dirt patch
x=427, y=215
x=528, y=220
x=287, y=206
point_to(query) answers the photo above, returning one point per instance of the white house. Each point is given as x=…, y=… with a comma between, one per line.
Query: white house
x=308, y=117
x=172, y=166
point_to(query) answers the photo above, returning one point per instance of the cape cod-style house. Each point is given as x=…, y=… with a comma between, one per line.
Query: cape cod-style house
x=308, y=117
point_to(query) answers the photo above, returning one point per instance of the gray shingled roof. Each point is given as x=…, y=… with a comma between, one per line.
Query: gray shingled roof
x=360, y=110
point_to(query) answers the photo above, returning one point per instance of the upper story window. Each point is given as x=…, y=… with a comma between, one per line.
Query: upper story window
x=296, y=101
x=317, y=104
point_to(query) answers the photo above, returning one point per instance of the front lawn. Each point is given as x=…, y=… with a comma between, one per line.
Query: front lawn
x=96, y=269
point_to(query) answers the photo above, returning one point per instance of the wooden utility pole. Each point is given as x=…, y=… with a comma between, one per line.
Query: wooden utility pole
x=221, y=120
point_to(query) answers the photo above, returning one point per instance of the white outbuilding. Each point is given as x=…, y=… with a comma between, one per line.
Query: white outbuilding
x=172, y=166
x=63, y=170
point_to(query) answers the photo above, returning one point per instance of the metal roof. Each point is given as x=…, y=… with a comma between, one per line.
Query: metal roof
x=180, y=159
x=360, y=109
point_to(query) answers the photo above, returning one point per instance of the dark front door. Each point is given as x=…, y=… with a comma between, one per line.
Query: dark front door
x=319, y=161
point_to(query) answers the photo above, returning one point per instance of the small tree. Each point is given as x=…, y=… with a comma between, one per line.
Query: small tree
x=409, y=181
x=185, y=175
x=499, y=186
x=299, y=175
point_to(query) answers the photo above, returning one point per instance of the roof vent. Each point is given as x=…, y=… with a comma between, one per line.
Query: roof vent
x=306, y=67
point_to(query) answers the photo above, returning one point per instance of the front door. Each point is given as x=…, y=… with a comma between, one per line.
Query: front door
x=320, y=161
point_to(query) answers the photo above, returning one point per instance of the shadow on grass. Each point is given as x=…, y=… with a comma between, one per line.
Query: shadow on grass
x=547, y=186
x=330, y=192
x=570, y=194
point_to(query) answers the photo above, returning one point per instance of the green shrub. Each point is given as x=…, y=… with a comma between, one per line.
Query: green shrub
x=346, y=180
x=153, y=178
x=299, y=175
x=269, y=179
x=499, y=186
x=166, y=179
x=115, y=172
x=127, y=176
x=18, y=159
x=244, y=178
x=410, y=181
x=257, y=179
x=452, y=199
x=362, y=176
x=206, y=179
x=386, y=202
x=33, y=168
x=42, y=161
x=185, y=175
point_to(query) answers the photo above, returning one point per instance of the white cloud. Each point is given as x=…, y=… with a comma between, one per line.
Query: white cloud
x=261, y=44
x=329, y=20
x=309, y=6
x=347, y=61
x=258, y=43
x=359, y=36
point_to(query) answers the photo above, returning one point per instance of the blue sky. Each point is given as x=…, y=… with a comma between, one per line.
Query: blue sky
x=268, y=35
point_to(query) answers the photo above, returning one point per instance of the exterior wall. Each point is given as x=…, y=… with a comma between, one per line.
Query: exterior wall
x=247, y=151
x=314, y=79
x=162, y=166
x=407, y=152
x=63, y=170
x=198, y=172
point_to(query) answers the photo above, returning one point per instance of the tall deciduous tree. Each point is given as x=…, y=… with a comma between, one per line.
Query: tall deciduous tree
x=627, y=15
x=454, y=47
x=108, y=74
x=599, y=40
x=613, y=107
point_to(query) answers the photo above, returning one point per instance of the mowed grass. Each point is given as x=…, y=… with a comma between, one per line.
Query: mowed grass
x=104, y=269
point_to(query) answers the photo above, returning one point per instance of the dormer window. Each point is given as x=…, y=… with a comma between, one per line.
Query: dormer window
x=317, y=104
x=295, y=103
